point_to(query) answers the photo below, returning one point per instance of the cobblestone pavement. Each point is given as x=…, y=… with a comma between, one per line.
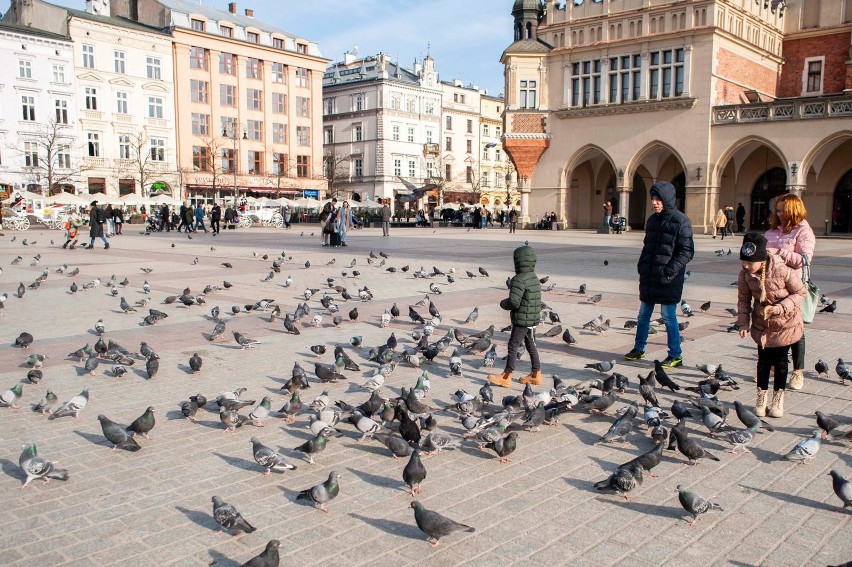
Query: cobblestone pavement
x=153, y=507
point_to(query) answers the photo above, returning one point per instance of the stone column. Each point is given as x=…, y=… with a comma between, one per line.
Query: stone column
x=796, y=190
x=624, y=202
x=524, y=188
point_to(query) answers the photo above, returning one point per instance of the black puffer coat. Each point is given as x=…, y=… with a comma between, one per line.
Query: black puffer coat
x=668, y=247
x=524, y=299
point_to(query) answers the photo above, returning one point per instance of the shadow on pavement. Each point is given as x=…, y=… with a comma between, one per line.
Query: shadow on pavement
x=392, y=527
x=220, y=560
x=652, y=509
x=374, y=479
x=794, y=499
x=94, y=438
x=12, y=469
x=239, y=462
x=200, y=518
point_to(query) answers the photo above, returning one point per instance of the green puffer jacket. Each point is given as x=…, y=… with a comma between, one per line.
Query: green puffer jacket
x=524, y=299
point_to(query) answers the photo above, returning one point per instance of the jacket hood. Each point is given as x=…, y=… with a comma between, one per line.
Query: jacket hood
x=524, y=257
x=667, y=194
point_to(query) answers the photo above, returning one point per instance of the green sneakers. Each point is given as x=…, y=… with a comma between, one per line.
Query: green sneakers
x=671, y=362
x=634, y=354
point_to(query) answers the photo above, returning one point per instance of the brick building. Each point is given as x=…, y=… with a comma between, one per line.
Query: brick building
x=730, y=100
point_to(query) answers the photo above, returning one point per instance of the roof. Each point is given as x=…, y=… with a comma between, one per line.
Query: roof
x=4, y=25
x=214, y=14
x=528, y=46
x=116, y=21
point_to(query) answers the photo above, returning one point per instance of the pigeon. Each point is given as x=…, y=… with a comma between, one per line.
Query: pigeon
x=472, y=317
x=189, y=408
x=663, y=378
x=689, y=448
x=830, y=308
x=821, y=368
x=595, y=299
x=38, y=467
x=117, y=435
x=705, y=306
x=619, y=429
x=603, y=366
x=152, y=366
x=289, y=410
x=231, y=419
x=842, y=488
x=143, y=424
x=414, y=473
x=568, y=337
x=504, y=446
x=323, y=492
x=267, y=558
x=716, y=424
x=843, y=371
x=648, y=460
x=11, y=396
x=47, y=402
x=826, y=424
x=694, y=504
x=244, y=341
x=269, y=459
x=623, y=480
x=24, y=340
x=398, y=446
x=36, y=361
x=434, y=525
x=73, y=406
x=228, y=517
x=748, y=418
x=313, y=446
x=806, y=449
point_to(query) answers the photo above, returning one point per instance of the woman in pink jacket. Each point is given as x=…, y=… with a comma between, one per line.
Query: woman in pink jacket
x=770, y=297
x=792, y=237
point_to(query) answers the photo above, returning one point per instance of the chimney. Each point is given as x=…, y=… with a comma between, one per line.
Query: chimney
x=249, y=13
x=232, y=7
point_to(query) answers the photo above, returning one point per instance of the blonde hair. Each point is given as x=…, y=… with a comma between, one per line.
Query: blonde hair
x=795, y=214
x=763, y=270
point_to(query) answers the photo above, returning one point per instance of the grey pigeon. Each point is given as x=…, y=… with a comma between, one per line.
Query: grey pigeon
x=414, y=472
x=694, y=504
x=842, y=488
x=228, y=517
x=398, y=446
x=152, y=366
x=143, y=424
x=473, y=316
x=663, y=377
x=38, y=467
x=268, y=458
x=504, y=446
x=623, y=480
x=231, y=419
x=620, y=428
x=434, y=525
x=313, y=446
x=47, y=402
x=689, y=448
x=73, y=406
x=603, y=366
x=806, y=449
x=244, y=341
x=747, y=417
x=713, y=422
x=739, y=439
x=267, y=558
x=117, y=435
x=195, y=362
x=826, y=424
x=11, y=396
x=323, y=492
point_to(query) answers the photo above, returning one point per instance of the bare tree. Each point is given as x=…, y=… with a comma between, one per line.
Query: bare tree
x=47, y=155
x=138, y=160
x=335, y=168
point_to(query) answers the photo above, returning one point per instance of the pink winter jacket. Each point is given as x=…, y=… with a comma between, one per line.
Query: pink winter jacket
x=791, y=246
x=784, y=288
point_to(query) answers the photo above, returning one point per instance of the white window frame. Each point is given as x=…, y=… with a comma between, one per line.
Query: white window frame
x=808, y=61
x=158, y=149
x=395, y=132
x=123, y=146
x=88, y=56
x=59, y=74
x=358, y=132
x=25, y=69
x=91, y=98
x=121, y=103
x=93, y=144
x=119, y=61
x=30, y=154
x=63, y=158
x=61, y=111
x=28, y=109
x=154, y=67
x=155, y=107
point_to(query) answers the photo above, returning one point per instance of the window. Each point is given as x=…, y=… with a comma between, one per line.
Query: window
x=253, y=68
x=498, y=156
x=625, y=78
x=59, y=74
x=429, y=105
x=665, y=74
x=61, y=111
x=303, y=166
x=199, y=90
x=485, y=130
x=468, y=173
x=303, y=136
x=154, y=67
x=227, y=63
x=528, y=94
x=449, y=122
x=200, y=124
x=448, y=144
x=469, y=147
x=226, y=31
x=30, y=154
x=498, y=131
x=448, y=172
x=277, y=43
x=228, y=125
x=484, y=153
x=63, y=158
x=498, y=179
x=28, y=108
x=254, y=99
x=410, y=105
x=395, y=135
x=397, y=167
x=197, y=58
x=358, y=167
x=280, y=164
x=470, y=126
x=200, y=158
x=410, y=136
x=229, y=160
x=303, y=107
x=253, y=37
x=88, y=56
x=197, y=25
x=585, y=83
x=278, y=71
x=279, y=103
x=279, y=133
x=91, y=98
x=302, y=77
x=328, y=135
x=412, y=168
x=227, y=95
x=25, y=69
x=812, y=76
x=123, y=146
x=158, y=149
x=358, y=103
x=302, y=48
x=430, y=136
x=93, y=144
x=254, y=130
x=120, y=102
x=328, y=106
x=358, y=132
x=155, y=107
x=430, y=169
x=118, y=58
x=255, y=162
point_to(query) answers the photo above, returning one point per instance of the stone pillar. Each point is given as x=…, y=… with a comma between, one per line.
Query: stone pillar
x=524, y=188
x=624, y=203
x=701, y=205
x=796, y=190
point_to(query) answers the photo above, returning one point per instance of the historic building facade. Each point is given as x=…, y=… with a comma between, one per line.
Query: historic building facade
x=730, y=100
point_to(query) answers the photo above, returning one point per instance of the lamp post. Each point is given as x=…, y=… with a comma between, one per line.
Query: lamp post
x=233, y=135
x=508, y=191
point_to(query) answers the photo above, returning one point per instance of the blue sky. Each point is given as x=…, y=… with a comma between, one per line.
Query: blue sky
x=465, y=37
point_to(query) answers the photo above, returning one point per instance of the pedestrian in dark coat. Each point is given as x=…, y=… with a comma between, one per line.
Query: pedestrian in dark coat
x=740, y=217
x=667, y=248
x=96, y=226
x=165, y=219
x=524, y=303
x=215, y=217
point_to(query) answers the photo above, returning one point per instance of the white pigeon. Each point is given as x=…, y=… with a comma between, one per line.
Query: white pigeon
x=806, y=449
x=317, y=320
x=99, y=327
x=386, y=317
x=289, y=281
x=374, y=382
x=146, y=287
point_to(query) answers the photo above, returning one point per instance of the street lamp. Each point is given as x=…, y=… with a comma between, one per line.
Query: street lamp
x=508, y=191
x=233, y=136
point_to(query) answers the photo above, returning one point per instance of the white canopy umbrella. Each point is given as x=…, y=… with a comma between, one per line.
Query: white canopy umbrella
x=367, y=205
x=26, y=195
x=164, y=200
x=308, y=203
x=67, y=199
x=132, y=199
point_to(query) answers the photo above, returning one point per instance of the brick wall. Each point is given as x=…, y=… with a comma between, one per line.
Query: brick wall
x=527, y=123
x=835, y=48
x=737, y=74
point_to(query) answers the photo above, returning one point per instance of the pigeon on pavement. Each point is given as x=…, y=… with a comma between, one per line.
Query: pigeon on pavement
x=38, y=467
x=267, y=558
x=117, y=435
x=323, y=492
x=268, y=458
x=694, y=504
x=434, y=525
x=228, y=517
x=806, y=449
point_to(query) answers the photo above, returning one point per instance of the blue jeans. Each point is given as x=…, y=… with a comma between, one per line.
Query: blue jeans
x=669, y=314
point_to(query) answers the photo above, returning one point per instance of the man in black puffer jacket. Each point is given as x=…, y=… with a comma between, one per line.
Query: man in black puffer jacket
x=668, y=247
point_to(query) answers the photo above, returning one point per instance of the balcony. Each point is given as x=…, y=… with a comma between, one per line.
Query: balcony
x=95, y=163
x=157, y=122
x=431, y=149
x=92, y=115
x=795, y=109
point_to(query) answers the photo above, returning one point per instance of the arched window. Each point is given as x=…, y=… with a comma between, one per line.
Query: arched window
x=632, y=29
x=841, y=209
x=768, y=186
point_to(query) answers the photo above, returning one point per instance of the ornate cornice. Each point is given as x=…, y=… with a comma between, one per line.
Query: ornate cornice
x=626, y=108
x=526, y=137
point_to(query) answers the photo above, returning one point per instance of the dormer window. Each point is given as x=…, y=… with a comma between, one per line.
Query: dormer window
x=253, y=37
x=277, y=43
x=197, y=25
x=301, y=48
x=226, y=31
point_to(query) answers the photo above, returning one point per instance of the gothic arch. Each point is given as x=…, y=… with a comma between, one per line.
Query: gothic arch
x=585, y=153
x=821, y=151
x=646, y=152
x=730, y=153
